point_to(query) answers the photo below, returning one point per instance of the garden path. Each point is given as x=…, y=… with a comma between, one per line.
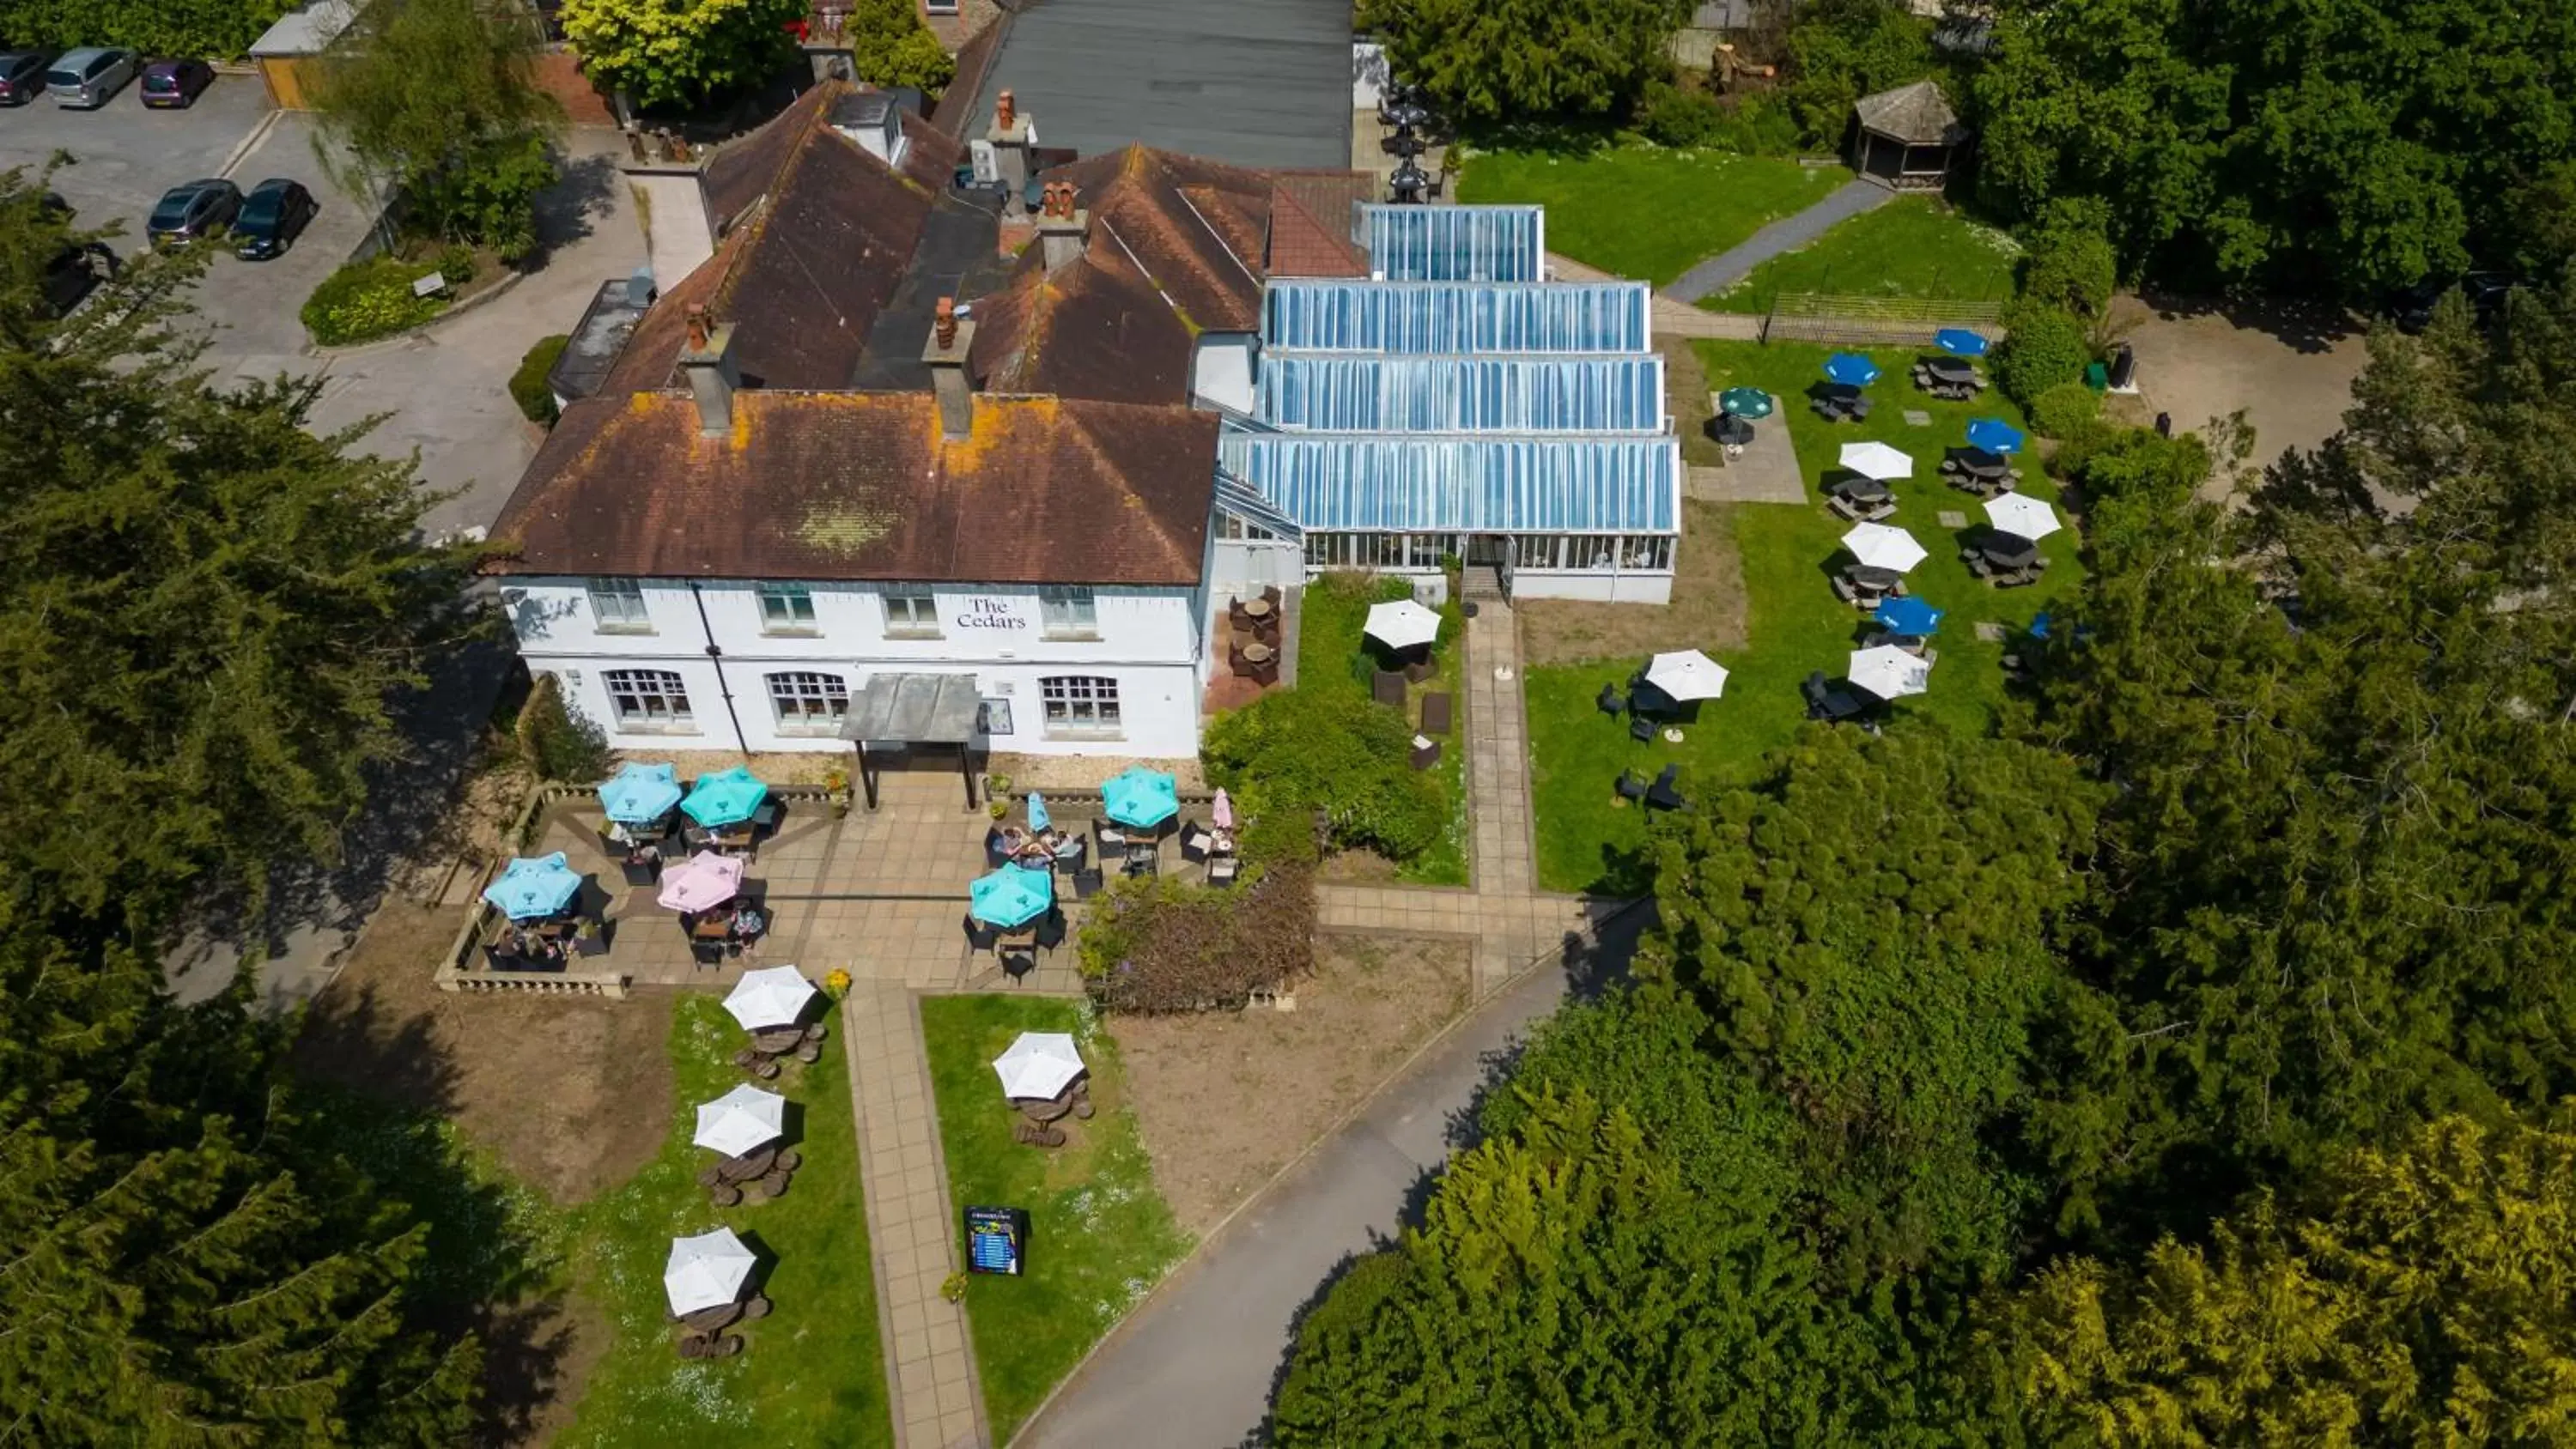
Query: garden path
x=1785, y=235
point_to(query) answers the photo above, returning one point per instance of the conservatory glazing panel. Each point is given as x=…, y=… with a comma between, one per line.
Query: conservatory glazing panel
x=1462, y=394
x=1456, y=317
x=1481, y=485
x=1456, y=243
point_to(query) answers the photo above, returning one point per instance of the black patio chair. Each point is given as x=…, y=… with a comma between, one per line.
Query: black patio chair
x=1631, y=785
x=1641, y=729
x=1223, y=870
x=1109, y=837
x=1143, y=859
x=1087, y=883
x=1196, y=843
x=995, y=856
x=979, y=936
x=1051, y=929
x=1661, y=795
x=1018, y=963
x=1612, y=702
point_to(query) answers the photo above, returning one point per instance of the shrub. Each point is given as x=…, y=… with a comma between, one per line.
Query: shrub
x=559, y=742
x=891, y=47
x=1332, y=750
x=1671, y=115
x=2070, y=263
x=2063, y=410
x=528, y=387
x=2044, y=347
x=370, y=299
x=1160, y=945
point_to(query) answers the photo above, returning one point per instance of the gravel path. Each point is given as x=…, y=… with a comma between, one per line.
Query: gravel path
x=1789, y=233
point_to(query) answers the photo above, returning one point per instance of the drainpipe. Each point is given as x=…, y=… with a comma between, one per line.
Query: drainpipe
x=715, y=656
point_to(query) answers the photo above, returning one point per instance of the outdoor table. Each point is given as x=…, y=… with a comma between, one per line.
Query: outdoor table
x=774, y=1040
x=1728, y=428
x=715, y=925
x=712, y=1321
x=1256, y=608
x=1873, y=580
x=1257, y=654
x=1950, y=369
x=2008, y=550
x=755, y=1163
x=1863, y=490
x=1401, y=145
x=1043, y=1110
x=1408, y=184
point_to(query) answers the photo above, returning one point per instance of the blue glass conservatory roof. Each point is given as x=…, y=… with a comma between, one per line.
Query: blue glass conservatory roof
x=1368, y=394
x=1455, y=243
x=1336, y=315
x=1427, y=484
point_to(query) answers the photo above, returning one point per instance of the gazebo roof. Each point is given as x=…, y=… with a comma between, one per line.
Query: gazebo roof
x=1916, y=115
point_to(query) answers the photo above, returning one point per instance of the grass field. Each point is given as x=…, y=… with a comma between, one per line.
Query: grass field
x=1912, y=247
x=1795, y=623
x=1645, y=212
x=1099, y=1234
x=1331, y=654
x=812, y=1371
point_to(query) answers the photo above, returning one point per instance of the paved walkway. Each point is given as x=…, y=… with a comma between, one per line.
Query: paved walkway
x=1765, y=472
x=1667, y=317
x=1789, y=233
x=1498, y=755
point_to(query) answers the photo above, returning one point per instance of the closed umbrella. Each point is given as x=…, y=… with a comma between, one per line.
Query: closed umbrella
x=1038, y=817
x=706, y=1271
x=1011, y=896
x=533, y=889
x=1222, y=810
x=1401, y=624
x=1994, y=435
x=727, y=797
x=1686, y=675
x=1140, y=797
x=2020, y=513
x=1959, y=342
x=640, y=794
x=1889, y=672
x=705, y=882
x=1909, y=616
x=740, y=1120
x=775, y=996
x=1877, y=460
x=1038, y=1065
x=1851, y=369
x=1883, y=546
x=1744, y=402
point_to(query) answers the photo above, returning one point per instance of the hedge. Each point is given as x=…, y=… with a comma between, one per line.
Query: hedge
x=366, y=300
x=528, y=386
x=209, y=29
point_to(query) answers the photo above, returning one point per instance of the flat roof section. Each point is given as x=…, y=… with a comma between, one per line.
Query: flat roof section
x=1253, y=82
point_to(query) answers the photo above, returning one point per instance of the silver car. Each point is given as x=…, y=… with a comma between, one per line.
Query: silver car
x=87, y=77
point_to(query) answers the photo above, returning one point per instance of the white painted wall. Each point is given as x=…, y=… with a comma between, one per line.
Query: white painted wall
x=1148, y=640
x=1221, y=370
x=1242, y=567
x=1370, y=74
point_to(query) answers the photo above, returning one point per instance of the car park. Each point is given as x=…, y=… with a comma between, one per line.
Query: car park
x=22, y=75
x=174, y=85
x=88, y=77
x=272, y=216
x=193, y=212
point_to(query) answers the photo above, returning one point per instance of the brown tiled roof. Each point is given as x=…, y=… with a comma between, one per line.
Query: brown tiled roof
x=1310, y=223
x=1096, y=328
x=1194, y=226
x=742, y=171
x=862, y=486
x=954, y=113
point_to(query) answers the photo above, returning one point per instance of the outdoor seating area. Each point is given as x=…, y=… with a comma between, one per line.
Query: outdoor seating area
x=706, y=1279
x=1045, y=1081
x=1658, y=700
x=1953, y=374
x=1734, y=412
x=1411, y=134
x=1841, y=398
x=1254, y=634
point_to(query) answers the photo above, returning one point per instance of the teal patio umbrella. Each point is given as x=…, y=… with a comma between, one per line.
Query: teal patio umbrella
x=640, y=794
x=532, y=889
x=1744, y=402
x=1038, y=817
x=1011, y=896
x=727, y=797
x=1140, y=797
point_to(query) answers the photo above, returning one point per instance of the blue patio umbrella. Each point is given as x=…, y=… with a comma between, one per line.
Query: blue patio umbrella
x=1011, y=896
x=2039, y=625
x=1959, y=342
x=640, y=794
x=1038, y=818
x=1909, y=616
x=1851, y=369
x=529, y=889
x=727, y=797
x=1140, y=797
x=1994, y=435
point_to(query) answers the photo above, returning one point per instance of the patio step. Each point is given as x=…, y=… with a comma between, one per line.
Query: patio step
x=1482, y=581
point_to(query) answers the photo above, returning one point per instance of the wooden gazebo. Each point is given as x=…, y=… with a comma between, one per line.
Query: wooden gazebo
x=1906, y=138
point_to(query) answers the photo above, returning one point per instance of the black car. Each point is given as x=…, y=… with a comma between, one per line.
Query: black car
x=272, y=216
x=192, y=212
x=2412, y=309
x=174, y=85
x=22, y=75
x=72, y=274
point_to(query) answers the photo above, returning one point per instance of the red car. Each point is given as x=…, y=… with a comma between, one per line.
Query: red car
x=174, y=85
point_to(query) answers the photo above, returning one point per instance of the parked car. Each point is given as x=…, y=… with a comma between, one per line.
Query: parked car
x=193, y=212
x=2412, y=309
x=22, y=75
x=73, y=273
x=272, y=216
x=174, y=85
x=87, y=77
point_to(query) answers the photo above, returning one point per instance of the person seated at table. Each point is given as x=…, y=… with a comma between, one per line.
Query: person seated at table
x=747, y=921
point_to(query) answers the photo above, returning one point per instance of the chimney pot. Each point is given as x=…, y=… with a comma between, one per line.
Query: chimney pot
x=708, y=364
x=1006, y=109
x=944, y=322
x=951, y=340
x=697, y=327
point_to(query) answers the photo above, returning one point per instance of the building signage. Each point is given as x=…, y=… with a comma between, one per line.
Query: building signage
x=993, y=1239
x=996, y=613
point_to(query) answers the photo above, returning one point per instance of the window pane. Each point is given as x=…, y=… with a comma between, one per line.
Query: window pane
x=1068, y=611
x=618, y=604
x=1079, y=704
x=647, y=697
x=912, y=614
x=785, y=606
x=809, y=703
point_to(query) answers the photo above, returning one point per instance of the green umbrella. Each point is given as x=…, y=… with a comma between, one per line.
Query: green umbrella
x=1745, y=402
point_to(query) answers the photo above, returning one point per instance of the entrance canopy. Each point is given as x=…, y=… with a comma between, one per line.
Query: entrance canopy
x=905, y=710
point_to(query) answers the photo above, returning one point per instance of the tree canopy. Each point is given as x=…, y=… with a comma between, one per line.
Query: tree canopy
x=1495, y=59
x=680, y=52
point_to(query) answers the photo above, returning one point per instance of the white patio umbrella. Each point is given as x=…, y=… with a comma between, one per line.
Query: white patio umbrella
x=1401, y=624
x=706, y=1271
x=1883, y=546
x=1686, y=675
x=1038, y=1065
x=1877, y=460
x=767, y=998
x=1889, y=672
x=741, y=1120
x=2020, y=513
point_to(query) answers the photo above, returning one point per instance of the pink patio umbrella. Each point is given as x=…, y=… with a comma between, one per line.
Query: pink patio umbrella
x=707, y=881
x=1222, y=811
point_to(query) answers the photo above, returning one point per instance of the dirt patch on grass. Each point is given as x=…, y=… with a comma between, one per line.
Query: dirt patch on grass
x=1227, y=1099
x=1686, y=398
x=1707, y=611
x=1358, y=867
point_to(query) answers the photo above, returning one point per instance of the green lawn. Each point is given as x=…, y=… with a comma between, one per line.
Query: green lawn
x=1644, y=212
x=1331, y=654
x=1099, y=1235
x=1912, y=247
x=1796, y=622
x=812, y=1372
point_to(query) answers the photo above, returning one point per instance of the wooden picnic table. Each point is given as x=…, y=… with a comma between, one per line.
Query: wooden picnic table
x=714, y=1320
x=1043, y=1110
x=752, y=1164
x=1862, y=490
x=2008, y=550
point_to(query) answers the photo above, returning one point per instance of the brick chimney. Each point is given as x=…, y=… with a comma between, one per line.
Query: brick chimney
x=950, y=337
x=707, y=359
x=1064, y=229
x=1012, y=136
